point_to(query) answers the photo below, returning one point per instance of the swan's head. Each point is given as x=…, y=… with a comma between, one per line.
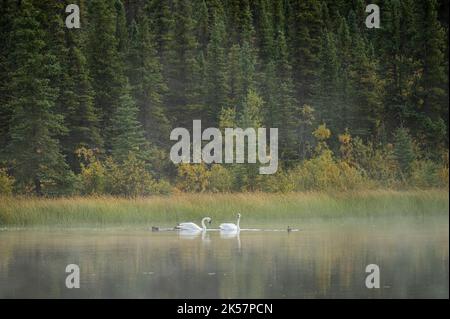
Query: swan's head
x=208, y=220
x=239, y=215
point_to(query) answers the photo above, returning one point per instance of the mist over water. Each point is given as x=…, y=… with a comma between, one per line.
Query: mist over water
x=325, y=259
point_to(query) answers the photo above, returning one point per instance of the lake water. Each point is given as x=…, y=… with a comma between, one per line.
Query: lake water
x=324, y=259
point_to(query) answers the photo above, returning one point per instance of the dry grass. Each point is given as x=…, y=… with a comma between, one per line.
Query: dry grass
x=167, y=210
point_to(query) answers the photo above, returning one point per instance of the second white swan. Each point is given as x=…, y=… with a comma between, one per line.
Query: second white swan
x=230, y=227
x=193, y=226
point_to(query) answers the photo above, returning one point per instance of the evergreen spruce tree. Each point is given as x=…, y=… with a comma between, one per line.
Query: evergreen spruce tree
x=80, y=116
x=126, y=133
x=121, y=28
x=161, y=15
x=366, y=105
x=433, y=83
x=147, y=83
x=403, y=150
x=265, y=32
x=250, y=116
x=251, y=113
x=34, y=150
x=398, y=49
x=235, y=78
x=8, y=9
x=328, y=102
x=305, y=30
x=279, y=16
x=50, y=15
x=248, y=65
x=269, y=86
x=240, y=21
x=216, y=71
x=344, y=46
x=183, y=73
x=246, y=30
x=201, y=16
x=105, y=64
x=288, y=110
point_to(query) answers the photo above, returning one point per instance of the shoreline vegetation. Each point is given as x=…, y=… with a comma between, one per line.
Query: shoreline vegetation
x=256, y=207
x=90, y=112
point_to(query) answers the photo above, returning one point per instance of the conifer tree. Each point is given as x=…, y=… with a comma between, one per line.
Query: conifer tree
x=279, y=16
x=365, y=94
x=80, y=116
x=332, y=109
x=8, y=10
x=201, y=16
x=147, y=83
x=433, y=82
x=288, y=109
x=398, y=48
x=161, y=16
x=403, y=150
x=183, y=73
x=33, y=149
x=126, y=133
x=250, y=116
x=251, y=113
x=265, y=30
x=51, y=19
x=248, y=65
x=305, y=30
x=121, y=28
x=240, y=21
x=105, y=64
x=216, y=71
x=246, y=30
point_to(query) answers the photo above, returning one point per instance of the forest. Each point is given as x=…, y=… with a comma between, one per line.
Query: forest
x=89, y=111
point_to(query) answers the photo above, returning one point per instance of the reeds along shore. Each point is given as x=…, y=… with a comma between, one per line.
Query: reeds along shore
x=256, y=207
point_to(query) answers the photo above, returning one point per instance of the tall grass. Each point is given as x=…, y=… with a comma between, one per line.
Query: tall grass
x=167, y=210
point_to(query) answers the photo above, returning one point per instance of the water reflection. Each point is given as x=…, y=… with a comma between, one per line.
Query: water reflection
x=231, y=235
x=189, y=234
x=321, y=261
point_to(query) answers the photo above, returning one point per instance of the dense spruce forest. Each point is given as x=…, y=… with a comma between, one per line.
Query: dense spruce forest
x=89, y=111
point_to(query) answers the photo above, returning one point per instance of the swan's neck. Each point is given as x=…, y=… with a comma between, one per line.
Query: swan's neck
x=238, y=220
x=203, y=223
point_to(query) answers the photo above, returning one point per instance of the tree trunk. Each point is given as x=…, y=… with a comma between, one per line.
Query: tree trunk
x=37, y=186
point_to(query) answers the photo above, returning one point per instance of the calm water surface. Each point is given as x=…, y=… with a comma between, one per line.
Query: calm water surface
x=325, y=259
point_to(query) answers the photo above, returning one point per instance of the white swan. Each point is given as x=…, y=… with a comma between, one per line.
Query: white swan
x=230, y=227
x=192, y=227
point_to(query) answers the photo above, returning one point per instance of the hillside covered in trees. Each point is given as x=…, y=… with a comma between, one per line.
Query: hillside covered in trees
x=90, y=110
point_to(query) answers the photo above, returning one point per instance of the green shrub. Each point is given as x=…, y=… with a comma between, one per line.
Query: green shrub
x=377, y=164
x=404, y=151
x=130, y=178
x=424, y=174
x=280, y=182
x=443, y=171
x=93, y=178
x=6, y=183
x=161, y=187
x=220, y=179
x=193, y=177
x=323, y=173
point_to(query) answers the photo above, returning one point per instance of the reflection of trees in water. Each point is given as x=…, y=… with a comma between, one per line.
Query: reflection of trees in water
x=329, y=262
